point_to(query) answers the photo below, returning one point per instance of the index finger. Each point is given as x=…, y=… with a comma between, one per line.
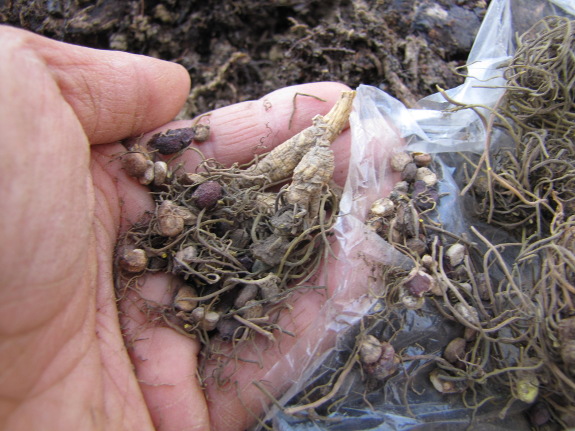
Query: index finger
x=241, y=131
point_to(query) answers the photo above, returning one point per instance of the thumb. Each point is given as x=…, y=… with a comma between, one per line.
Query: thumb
x=113, y=94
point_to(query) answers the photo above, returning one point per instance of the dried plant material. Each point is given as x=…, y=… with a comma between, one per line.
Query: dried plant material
x=400, y=160
x=133, y=260
x=520, y=182
x=507, y=288
x=455, y=350
x=310, y=176
x=238, y=249
x=280, y=163
x=525, y=187
x=135, y=163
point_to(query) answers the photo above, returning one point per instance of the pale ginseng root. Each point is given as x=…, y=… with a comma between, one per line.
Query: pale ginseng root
x=280, y=163
x=310, y=176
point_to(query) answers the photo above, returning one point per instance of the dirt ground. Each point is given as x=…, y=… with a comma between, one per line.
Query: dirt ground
x=240, y=50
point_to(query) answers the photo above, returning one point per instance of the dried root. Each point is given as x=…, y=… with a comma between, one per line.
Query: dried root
x=512, y=303
x=280, y=163
x=237, y=249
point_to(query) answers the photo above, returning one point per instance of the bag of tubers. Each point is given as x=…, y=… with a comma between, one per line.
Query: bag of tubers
x=458, y=220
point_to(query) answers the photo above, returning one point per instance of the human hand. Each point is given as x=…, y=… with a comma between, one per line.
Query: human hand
x=63, y=202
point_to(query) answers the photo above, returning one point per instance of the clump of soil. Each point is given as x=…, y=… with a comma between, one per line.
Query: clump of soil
x=244, y=49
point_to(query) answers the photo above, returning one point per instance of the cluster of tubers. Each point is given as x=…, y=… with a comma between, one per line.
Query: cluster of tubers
x=236, y=245
x=403, y=218
x=397, y=217
x=377, y=357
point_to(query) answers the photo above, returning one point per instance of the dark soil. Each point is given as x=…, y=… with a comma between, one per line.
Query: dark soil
x=244, y=49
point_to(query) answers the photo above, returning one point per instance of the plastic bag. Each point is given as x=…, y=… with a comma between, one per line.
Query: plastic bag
x=380, y=125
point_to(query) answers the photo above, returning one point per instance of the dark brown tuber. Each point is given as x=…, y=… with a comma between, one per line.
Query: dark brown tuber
x=135, y=164
x=172, y=141
x=418, y=283
x=207, y=194
x=455, y=350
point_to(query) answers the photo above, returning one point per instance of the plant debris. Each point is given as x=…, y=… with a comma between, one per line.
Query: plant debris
x=237, y=247
x=511, y=304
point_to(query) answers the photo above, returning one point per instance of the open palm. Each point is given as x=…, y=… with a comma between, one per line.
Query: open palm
x=64, y=200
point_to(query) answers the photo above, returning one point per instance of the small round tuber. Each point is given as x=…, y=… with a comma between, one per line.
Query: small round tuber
x=134, y=260
x=207, y=194
x=201, y=132
x=135, y=164
x=399, y=161
x=172, y=141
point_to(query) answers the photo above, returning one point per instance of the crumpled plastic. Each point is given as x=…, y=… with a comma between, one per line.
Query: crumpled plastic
x=380, y=125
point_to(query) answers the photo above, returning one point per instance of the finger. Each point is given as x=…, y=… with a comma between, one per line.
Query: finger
x=254, y=119
x=114, y=94
x=164, y=361
x=239, y=132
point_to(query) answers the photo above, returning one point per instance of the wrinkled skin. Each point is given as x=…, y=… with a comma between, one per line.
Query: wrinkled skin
x=64, y=363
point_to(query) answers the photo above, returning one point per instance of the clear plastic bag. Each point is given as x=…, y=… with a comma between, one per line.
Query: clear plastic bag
x=380, y=125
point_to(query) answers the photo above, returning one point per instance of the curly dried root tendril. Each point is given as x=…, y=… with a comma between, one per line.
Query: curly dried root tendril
x=279, y=164
x=536, y=111
x=329, y=396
